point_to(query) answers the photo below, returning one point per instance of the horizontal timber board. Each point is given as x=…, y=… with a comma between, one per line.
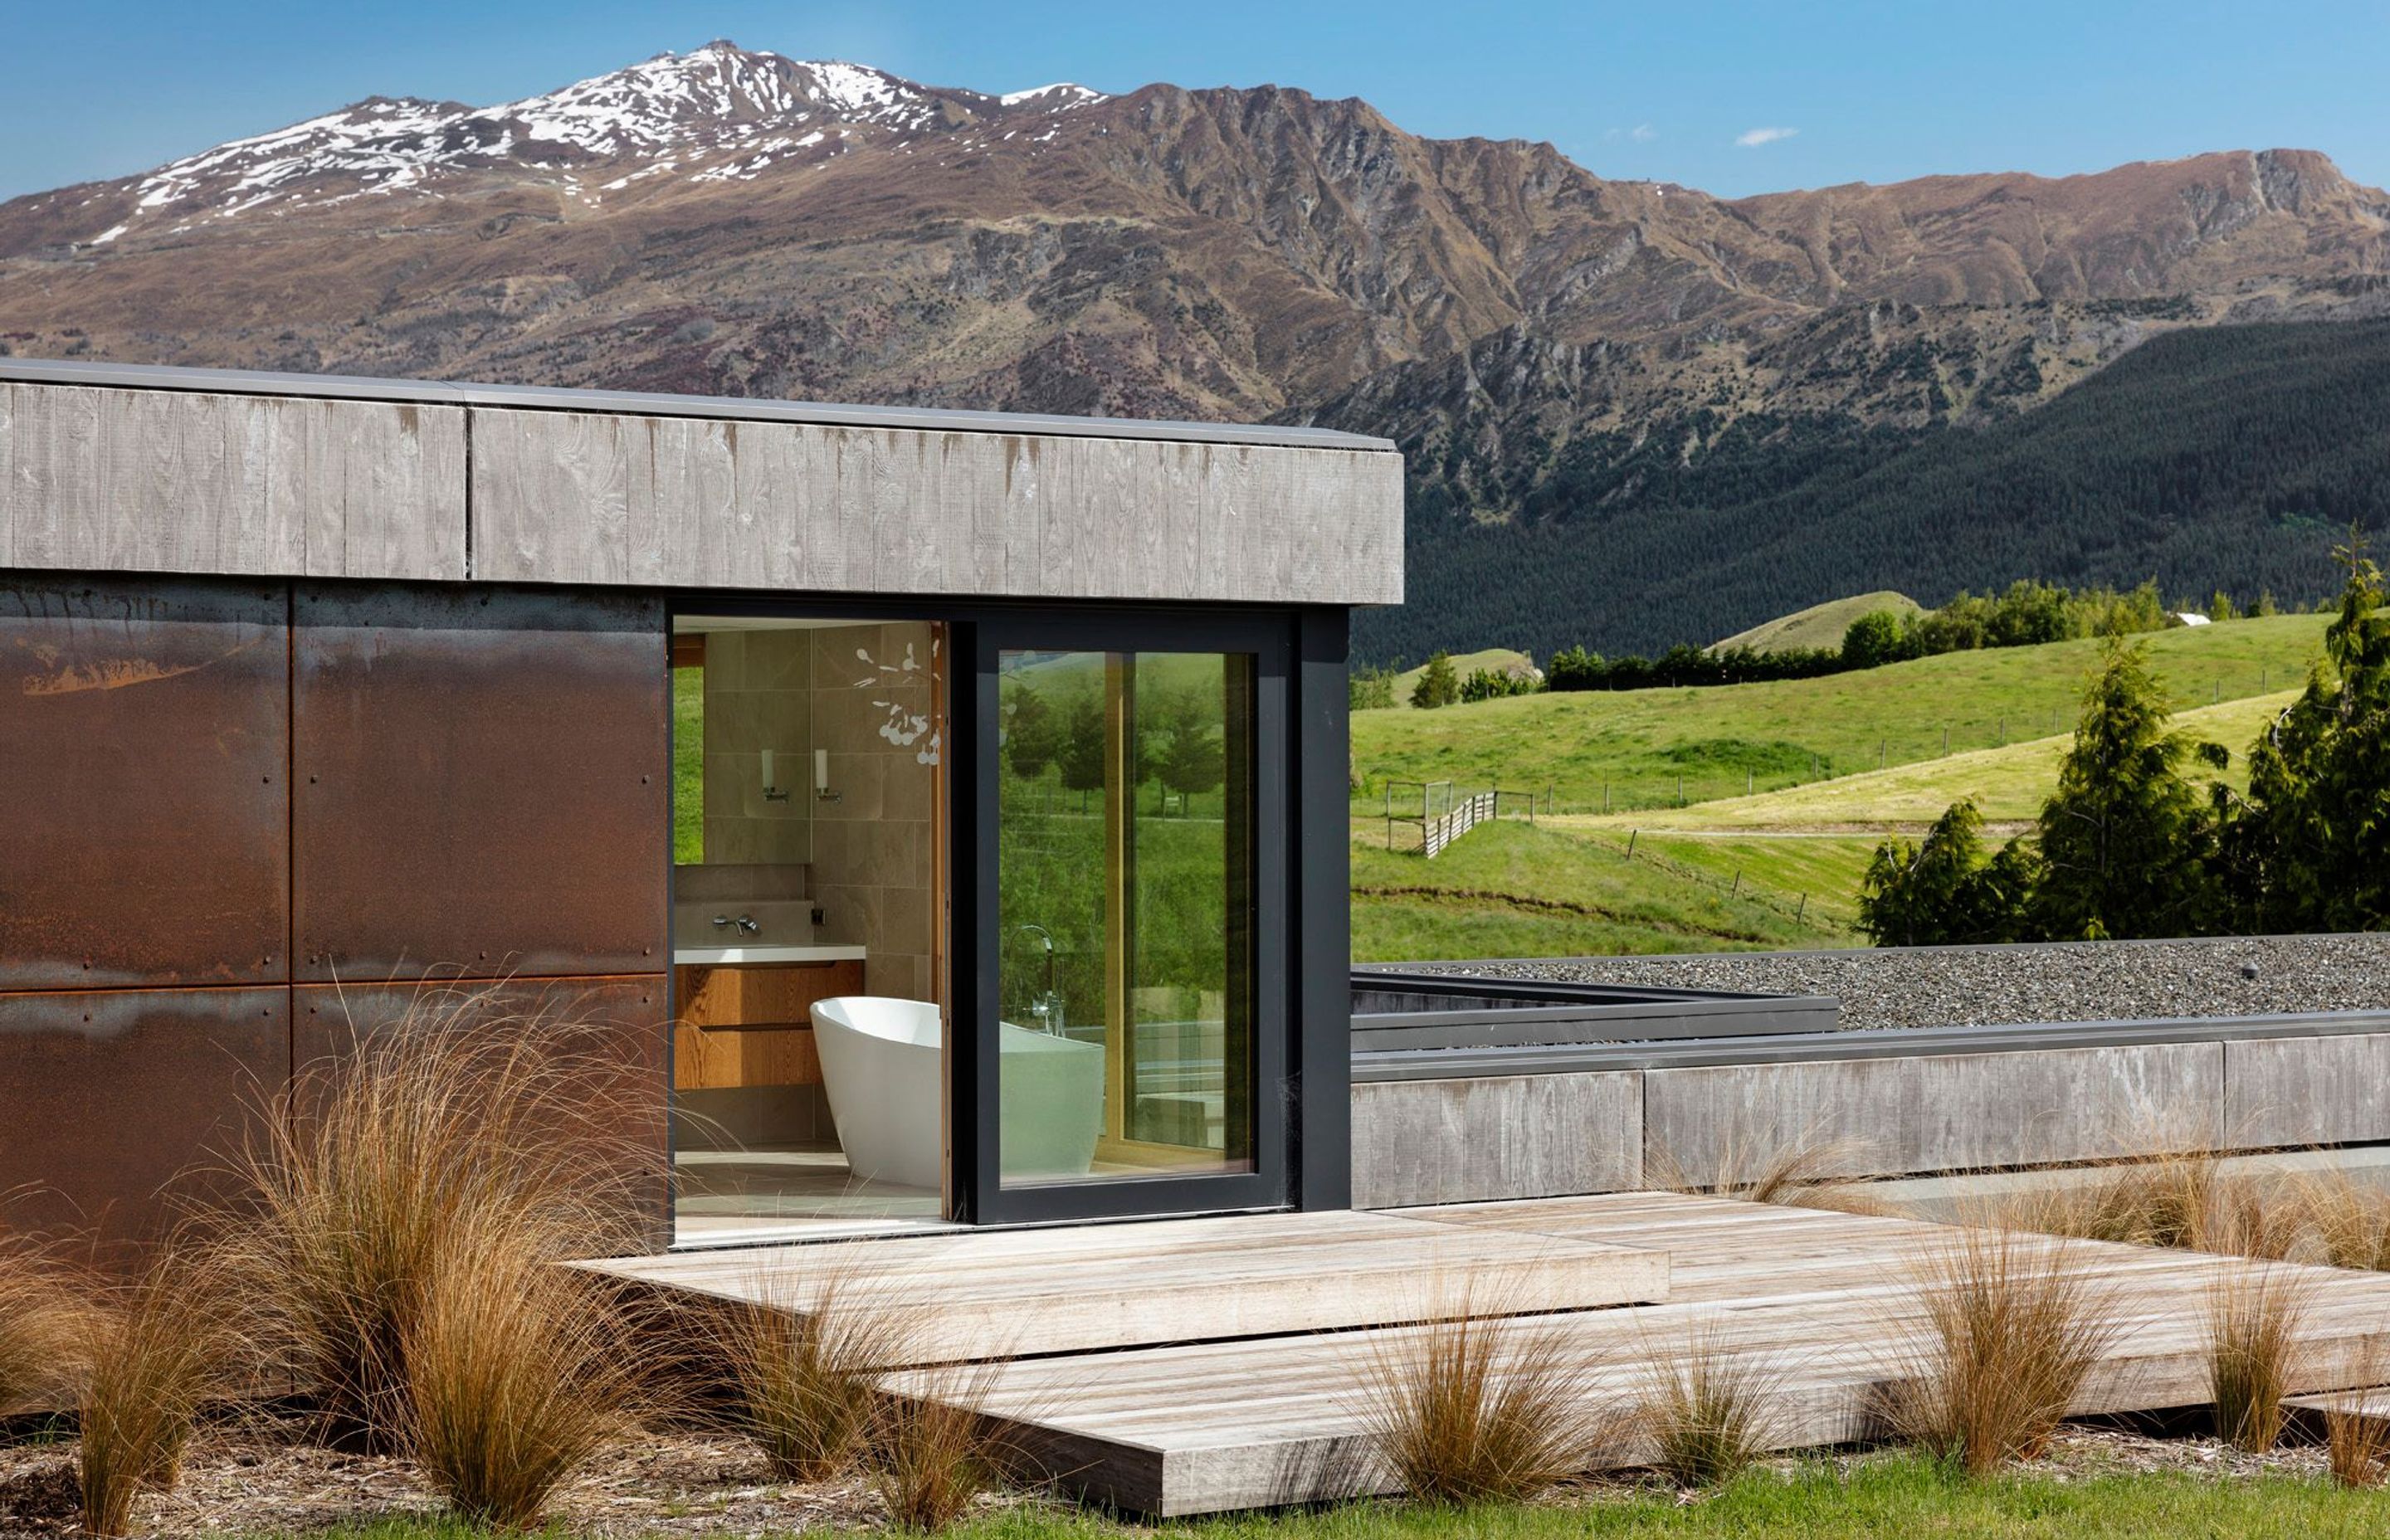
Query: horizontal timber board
x=586, y=497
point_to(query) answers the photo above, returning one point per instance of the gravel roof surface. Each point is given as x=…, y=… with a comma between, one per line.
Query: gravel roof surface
x=2005, y=985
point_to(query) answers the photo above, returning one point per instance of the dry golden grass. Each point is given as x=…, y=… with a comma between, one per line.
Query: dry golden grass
x=517, y=1373
x=1707, y=1414
x=366, y=1177
x=2254, y=1319
x=1479, y=1404
x=2350, y=1222
x=2009, y=1328
x=45, y=1328
x=1802, y=1172
x=2356, y=1443
x=930, y=1455
x=156, y=1350
x=799, y=1383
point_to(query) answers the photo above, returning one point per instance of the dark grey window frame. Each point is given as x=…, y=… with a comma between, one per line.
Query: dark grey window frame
x=1302, y=1018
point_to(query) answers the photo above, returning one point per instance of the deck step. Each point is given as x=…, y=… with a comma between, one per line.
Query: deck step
x=1007, y=1293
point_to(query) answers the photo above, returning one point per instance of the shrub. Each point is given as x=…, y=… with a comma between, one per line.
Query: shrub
x=515, y=1375
x=2007, y=1330
x=1705, y=1415
x=1876, y=638
x=457, y=1121
x=2253, y=1317
x=155, y=1351
x=1439, y=682
x=1478, y=1406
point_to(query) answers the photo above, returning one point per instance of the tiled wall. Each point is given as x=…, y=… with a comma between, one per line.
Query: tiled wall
x=873, y=847
x=758, y=696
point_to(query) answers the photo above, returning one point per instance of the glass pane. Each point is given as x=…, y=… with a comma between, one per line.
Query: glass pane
x=1124, y=852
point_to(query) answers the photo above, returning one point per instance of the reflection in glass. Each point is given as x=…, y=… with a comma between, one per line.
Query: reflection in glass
x=1126, y=947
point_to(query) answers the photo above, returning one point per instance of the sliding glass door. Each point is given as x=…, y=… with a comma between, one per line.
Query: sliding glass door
x=1131, y=1044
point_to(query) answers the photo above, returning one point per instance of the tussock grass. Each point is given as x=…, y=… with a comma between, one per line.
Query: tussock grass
x=1480, y=1405
x=1707, y=1414
x=457, y=1124
x=516, y=1374
x=2350, y=1222
x=799, y=1383
x=2355, y=1446
x=2254, y=1320
x=45, y=1328
x=2008, y=1329
x=154, y=1354
x=930, y=1456
x=1802, y=1171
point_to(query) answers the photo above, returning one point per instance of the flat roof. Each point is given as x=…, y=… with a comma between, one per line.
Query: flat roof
x=157, y=377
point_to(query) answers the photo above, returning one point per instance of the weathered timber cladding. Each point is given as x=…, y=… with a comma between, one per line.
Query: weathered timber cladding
x=2291, y=1091
x=190, y=482
x=1462, y=1141
x=610, y=1034
x=144, y=750
x=114, y=1101
x=481, y=778
x=1949, y=1112
x=584, y=497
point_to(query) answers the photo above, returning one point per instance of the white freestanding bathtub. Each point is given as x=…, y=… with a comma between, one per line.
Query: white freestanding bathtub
x=887, y=1091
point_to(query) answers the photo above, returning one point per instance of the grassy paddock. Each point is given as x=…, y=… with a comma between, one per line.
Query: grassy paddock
x=1764, y=736
x=1893, y=1498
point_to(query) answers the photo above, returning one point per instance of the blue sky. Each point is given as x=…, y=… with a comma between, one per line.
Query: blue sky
x=1735, y=98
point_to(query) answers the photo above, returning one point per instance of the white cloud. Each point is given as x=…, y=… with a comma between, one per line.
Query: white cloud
x=1642, y=134
x=1752, y=138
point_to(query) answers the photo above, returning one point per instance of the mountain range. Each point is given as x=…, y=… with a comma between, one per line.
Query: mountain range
x=1575, y=365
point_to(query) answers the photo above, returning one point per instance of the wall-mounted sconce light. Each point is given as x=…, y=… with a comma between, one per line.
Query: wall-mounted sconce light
x=821, y=777
x=772, y=792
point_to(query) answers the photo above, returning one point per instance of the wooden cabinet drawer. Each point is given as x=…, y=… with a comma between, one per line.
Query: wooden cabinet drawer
x=750, y=1023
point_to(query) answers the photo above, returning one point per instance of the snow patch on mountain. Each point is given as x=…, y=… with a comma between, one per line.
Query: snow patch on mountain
x=662, y=114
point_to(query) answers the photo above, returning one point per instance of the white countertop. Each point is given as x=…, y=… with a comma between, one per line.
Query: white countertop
x=842, y=952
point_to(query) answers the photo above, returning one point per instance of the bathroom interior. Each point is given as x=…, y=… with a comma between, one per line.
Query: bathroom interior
x=811, y=872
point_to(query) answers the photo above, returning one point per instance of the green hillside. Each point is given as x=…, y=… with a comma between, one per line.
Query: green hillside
x=1820, y=625
x=1517, y=890
x=1629, y=749
x=2209, y=457
x=1464, y=664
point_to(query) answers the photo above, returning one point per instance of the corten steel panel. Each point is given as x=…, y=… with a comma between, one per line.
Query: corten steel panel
x=144, y=744
x=614, y=1029
x=481, y=783
x=116, y=1103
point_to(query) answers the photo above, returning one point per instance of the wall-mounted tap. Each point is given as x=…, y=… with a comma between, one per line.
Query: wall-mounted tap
x=746, y=925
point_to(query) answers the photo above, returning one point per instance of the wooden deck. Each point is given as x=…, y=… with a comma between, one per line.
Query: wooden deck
x=971, y=1294
x=1824, y=1298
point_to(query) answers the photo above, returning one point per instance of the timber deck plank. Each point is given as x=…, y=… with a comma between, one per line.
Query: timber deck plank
x=1825, y=1301
x=970, y=1294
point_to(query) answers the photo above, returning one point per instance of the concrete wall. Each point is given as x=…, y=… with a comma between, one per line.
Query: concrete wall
x=1540, y=1134
x=729, y=496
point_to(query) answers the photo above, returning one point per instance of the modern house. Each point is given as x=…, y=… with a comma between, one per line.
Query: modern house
x=943, y=812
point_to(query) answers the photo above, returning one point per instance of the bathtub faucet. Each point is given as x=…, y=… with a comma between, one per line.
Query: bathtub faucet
x=1047, y=1004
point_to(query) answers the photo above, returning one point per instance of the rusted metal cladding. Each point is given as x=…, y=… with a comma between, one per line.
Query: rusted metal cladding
x=115, y=1105
x=481, y=783
x=144, y=749
x=596, y=1050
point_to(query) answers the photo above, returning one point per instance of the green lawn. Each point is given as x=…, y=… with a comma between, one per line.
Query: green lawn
x=1515, y=890
x=1636, y=744
x=1889, y=1499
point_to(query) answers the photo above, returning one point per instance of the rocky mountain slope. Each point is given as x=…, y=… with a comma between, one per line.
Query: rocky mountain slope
x=732, y=222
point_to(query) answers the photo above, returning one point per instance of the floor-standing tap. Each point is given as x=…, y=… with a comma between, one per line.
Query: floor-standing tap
x=1047, y=1004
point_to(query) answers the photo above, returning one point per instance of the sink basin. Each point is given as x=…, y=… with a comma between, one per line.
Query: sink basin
x=755, y=952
